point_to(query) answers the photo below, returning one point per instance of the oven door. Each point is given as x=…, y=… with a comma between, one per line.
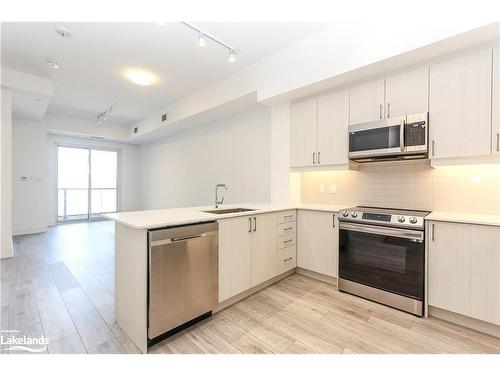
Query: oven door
x=380, y=138
x=390, y=259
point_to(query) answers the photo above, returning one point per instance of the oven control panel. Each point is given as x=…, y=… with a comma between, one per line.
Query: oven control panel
x=408, y=221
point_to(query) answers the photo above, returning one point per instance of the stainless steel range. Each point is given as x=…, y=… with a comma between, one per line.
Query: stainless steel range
x=382, y=256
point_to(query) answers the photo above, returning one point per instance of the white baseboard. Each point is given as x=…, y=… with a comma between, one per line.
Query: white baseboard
x=29, y=230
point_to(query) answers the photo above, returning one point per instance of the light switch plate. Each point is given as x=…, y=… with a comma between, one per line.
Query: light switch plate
x=321, y=189
x=333, y=189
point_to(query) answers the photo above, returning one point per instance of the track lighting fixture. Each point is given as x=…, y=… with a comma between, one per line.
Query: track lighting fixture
x=101, y=117
x=202, y=36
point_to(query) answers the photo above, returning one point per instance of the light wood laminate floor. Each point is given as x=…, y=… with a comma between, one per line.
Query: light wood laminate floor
x=60, y=284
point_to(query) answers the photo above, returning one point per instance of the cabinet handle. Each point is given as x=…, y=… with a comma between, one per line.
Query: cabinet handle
x=249, y=224
x=254, y=224
x=314, y=158
x=498, y=142
x=388, y=109
x=380, y=111
x=333, y=221
x=287, y=216
x=287, y=259
x=287, y=241
x=433, y=234
x=289, y=228
x=433, y=147
x=319, y=161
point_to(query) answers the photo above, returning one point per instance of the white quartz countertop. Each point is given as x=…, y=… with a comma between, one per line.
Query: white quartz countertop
x=150, y=219
x=457, y=217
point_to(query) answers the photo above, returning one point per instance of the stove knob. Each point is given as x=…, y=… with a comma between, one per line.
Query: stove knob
x=345, y=213
x=401, y=219
x=354, y=214
x=413, y=220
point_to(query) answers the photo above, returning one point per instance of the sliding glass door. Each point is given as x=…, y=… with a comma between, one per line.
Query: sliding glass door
x=86, y=182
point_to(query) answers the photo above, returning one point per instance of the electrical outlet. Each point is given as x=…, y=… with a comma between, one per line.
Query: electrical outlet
x=333, y=189
x=321, y=189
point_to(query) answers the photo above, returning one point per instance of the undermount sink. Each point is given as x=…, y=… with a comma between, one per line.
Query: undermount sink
x=221, y=211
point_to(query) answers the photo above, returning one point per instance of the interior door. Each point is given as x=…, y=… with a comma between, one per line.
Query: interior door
x=303, y=133
x=333, y=121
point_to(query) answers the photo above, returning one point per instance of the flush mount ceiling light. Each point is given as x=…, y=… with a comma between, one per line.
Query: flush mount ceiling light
x=162, y=25
x=141, y=77
x=233, y=51
x=63, y=32
x=104, y=115
x=53, y=64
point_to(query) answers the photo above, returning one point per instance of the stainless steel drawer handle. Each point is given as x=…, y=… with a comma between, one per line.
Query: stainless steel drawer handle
x=314, y=158
x=249, y=224
x=433, y=233
x=388, y=109
x=254, y=224
x=287, y=216
x=380, y=111
x=319, y=161
x=287, y=241
x=289, y=228
x=287, y=259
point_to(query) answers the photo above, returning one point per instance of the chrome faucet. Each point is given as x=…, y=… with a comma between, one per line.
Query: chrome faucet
x=217, y=200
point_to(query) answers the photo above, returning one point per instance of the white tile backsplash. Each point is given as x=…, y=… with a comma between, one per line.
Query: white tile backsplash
x=466, y=188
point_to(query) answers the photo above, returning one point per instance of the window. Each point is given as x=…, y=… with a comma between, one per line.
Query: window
x=86, y=182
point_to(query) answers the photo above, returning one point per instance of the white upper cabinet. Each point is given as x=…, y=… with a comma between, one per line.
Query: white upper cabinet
x=495, y=136
x=407, y=93
x=460, y=106
x=367, y=102
x=303, y=133
x=333, y=120
x=317, y=242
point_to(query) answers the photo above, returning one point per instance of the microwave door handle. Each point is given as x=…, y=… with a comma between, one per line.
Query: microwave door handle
x=402, y=134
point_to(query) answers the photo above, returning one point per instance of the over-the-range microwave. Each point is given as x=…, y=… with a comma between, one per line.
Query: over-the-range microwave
x=398, y=138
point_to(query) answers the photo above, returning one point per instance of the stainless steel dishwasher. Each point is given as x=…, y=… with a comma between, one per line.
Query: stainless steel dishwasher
x=183, y=276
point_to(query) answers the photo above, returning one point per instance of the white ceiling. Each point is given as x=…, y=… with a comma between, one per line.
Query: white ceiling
x=92, y=61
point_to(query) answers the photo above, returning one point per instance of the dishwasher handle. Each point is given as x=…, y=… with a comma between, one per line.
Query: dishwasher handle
x=180, y=239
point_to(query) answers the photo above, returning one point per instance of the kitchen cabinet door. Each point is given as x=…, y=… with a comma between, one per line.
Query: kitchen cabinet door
x=235, y=245
x=367, y=102
x=464, y=270
x=495, y=136
x=303, y=133
x=407, y=93
x=317, y=242
x=264, y=248
x=460, y=106
x=333, y=120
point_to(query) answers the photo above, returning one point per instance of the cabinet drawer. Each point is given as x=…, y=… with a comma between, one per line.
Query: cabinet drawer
x=286, y=228
x=287, y=240
x=287, y=258
x=286, y=216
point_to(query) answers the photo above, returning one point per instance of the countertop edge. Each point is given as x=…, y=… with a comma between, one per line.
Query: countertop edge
x=464, y=218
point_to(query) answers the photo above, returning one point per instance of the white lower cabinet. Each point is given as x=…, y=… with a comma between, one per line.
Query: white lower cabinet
x=235, y=256
x=464, y=269
x=264, y=233
x=247, y=253
x=317, y=242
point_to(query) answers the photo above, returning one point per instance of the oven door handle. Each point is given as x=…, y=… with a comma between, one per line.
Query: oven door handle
x=385, y=231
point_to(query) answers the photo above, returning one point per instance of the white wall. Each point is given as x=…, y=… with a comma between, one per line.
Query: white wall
x=34, y=200
x=6, y=174
x=183, y=170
